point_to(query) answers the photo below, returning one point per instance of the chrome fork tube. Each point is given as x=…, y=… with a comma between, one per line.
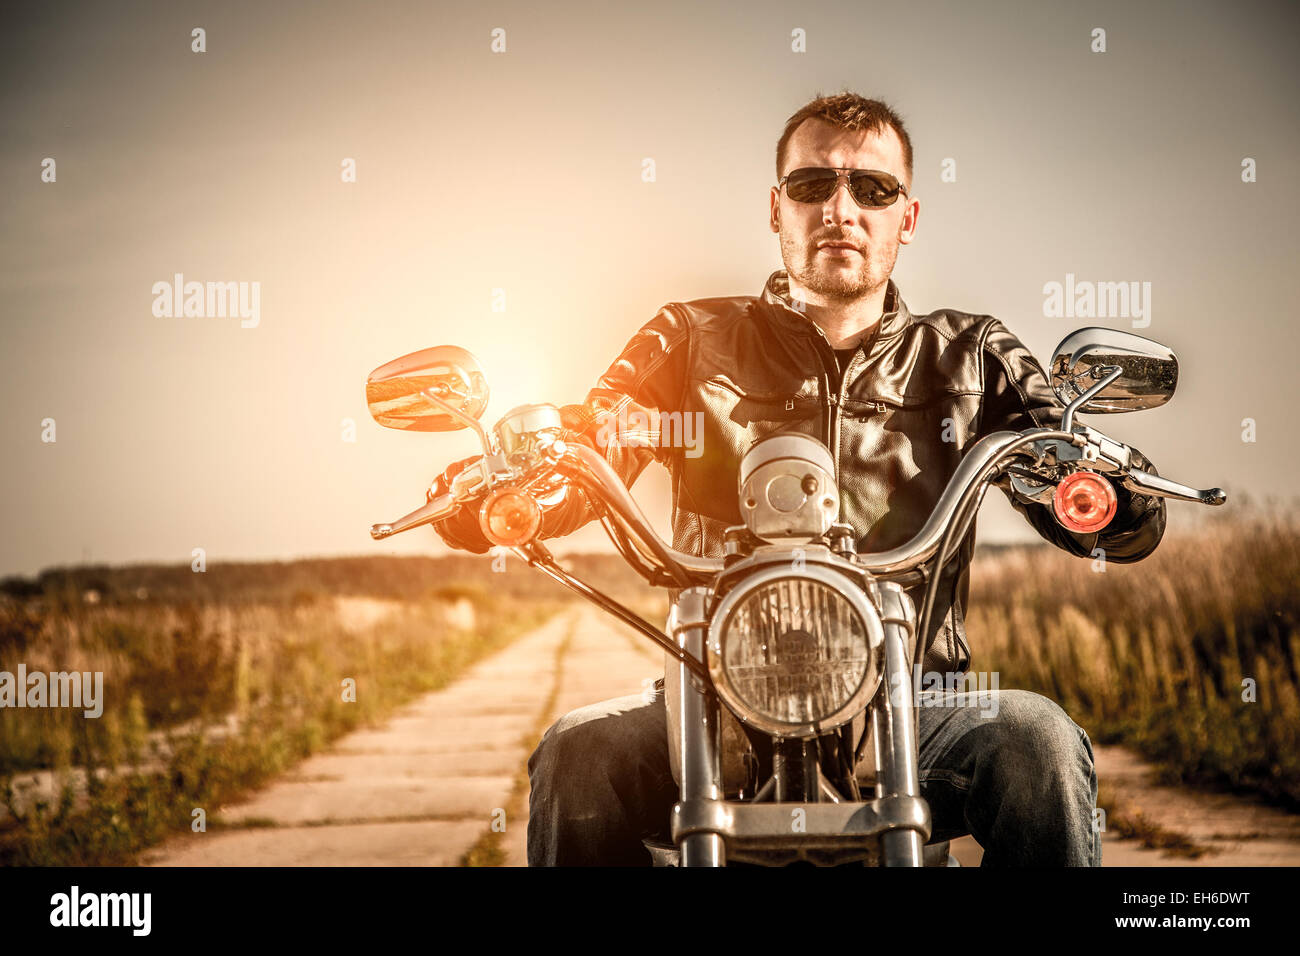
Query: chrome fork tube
x=700, y=730
x=894, y=728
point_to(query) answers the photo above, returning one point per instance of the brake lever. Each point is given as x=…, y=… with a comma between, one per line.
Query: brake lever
x=491, y=472
x=433, y=510
x=1142, y=483
x=466, y=485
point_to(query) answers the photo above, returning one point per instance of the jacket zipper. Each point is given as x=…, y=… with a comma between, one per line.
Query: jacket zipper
x=837, y=401
x=837, y=412
x=832, y=415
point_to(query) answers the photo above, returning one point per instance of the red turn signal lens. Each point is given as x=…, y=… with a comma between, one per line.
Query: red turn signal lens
x=509, y=518
x=1084, y=502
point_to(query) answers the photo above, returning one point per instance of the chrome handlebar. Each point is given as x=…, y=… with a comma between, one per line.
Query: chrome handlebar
x=986, y=452
x=615, y=494
x=1084, y=445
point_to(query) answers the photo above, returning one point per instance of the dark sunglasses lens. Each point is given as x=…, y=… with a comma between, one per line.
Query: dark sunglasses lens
x=810, y=185
x=874, y=189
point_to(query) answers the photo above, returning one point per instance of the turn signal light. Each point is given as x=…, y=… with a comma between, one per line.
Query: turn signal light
x=1084, y=502
x=509, y=518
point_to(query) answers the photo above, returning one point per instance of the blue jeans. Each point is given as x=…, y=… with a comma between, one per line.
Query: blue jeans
x=1013, y=770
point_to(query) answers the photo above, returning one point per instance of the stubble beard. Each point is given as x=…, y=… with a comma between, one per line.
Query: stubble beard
x=817, y=275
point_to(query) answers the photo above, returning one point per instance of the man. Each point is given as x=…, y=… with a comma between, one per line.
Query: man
x=830, y=349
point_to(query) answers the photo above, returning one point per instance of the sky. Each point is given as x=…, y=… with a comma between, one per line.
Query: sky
x=521, y=171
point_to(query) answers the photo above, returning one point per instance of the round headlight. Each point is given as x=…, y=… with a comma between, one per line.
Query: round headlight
x=796, y=653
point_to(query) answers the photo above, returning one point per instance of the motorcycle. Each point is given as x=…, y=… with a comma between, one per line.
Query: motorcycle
x=792, y=720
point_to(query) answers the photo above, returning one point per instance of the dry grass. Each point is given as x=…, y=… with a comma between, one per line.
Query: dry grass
x=1159, y=654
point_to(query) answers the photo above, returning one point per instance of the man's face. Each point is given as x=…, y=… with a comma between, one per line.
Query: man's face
x=829, y=275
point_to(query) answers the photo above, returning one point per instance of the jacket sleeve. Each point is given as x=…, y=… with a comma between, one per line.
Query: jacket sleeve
x=621, y=416
x=1018, y=395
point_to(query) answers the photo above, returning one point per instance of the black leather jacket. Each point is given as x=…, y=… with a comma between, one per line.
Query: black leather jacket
x=754, y=366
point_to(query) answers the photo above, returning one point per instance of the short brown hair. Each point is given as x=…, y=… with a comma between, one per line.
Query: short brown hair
x=851, y=112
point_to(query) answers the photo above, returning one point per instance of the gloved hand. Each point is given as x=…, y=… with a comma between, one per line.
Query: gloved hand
x=1131, y=508
x=462, y=531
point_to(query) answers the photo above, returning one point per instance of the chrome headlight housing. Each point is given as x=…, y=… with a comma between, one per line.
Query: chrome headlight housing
x=796, y=653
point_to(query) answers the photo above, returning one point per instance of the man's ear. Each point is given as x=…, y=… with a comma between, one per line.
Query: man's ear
x=774, y=214
x=907, y=228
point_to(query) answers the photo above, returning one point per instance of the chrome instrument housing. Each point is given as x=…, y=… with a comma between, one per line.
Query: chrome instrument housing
x=525, y=431
x=787, y=488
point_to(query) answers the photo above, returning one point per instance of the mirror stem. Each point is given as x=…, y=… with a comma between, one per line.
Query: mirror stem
x=460, y=416
x=1067, y=419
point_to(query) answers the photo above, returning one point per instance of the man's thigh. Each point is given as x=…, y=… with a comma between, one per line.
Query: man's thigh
x=605, y=766
x=636, y=722
x=958, y=733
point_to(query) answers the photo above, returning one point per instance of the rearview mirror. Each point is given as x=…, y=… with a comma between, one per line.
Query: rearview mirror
x=434, y=390
x=1148, y=371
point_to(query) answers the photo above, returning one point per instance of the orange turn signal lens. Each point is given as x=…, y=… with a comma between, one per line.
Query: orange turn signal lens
x=509, y=518
x=1084, y=502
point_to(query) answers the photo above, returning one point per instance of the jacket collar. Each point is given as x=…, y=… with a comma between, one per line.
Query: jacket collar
x=776, y=293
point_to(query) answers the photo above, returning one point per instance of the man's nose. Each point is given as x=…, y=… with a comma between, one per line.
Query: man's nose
x=840, y=206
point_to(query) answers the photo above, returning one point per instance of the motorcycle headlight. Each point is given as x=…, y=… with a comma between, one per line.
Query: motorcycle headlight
x=796, y=653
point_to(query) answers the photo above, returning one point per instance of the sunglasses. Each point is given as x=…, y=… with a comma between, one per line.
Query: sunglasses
x=870, y=188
